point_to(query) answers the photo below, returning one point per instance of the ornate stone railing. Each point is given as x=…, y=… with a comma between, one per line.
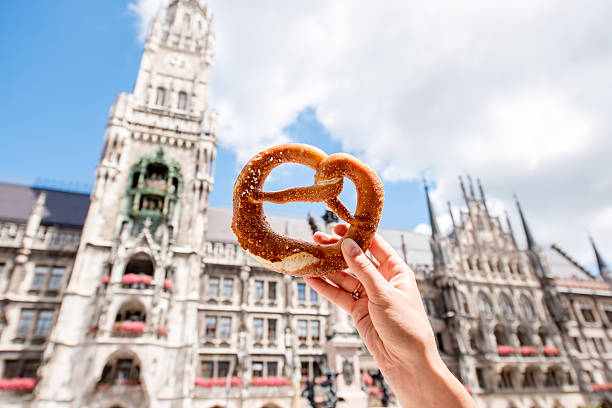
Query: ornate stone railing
x=226, y=253
x=57, y=238
x=11, y=233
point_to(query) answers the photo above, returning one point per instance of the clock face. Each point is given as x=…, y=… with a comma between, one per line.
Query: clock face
x=179, y=62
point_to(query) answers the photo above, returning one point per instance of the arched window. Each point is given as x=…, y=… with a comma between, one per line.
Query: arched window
x=138, y=272
x=484, y=305
x=505, y=306
x=506, y=378
x=130, y=319
x=182, y=100
x=186, y=21
x=523, y=336
x=526, y=307
x=121, y=369
x=500, y=335
x=160, y=97
x=554, y=377
x=530, y=378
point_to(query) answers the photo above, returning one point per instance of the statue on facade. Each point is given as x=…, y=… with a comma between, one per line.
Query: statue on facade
x=348, y=371
x=330, y=388
x=309, y=393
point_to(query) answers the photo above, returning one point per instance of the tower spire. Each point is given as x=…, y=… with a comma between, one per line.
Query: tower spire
x=531, y=244
x=435, y=230
x=604, y=271
x=510, y=230
x=465, y=197
x=471, y=186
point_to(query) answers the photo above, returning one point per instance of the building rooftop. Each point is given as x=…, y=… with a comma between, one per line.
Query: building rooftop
x=68, y=210
x=62, y=208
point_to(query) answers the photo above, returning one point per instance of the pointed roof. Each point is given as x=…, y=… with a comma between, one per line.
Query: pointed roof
x=531, y=243
x=435, y=230
x=601, y=263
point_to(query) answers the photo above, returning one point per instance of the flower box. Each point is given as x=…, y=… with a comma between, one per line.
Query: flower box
x=105, y=280
x=367, y=379
x=529, y=351
x=130, y=326
x=376, y=392
x=131, y=383
x=551, y=351
x=17, y=384
x=504, y=350
x=270, y=381
x=602, y=387
x=93, y=329
x=134, y=279
x=167, y=284
x=162, y=331
x=217, y=382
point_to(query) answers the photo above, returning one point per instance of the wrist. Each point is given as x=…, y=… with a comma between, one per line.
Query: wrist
x=427, y=382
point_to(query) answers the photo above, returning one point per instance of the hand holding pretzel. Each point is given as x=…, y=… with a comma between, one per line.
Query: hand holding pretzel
x=291, y=256
x=383, y=298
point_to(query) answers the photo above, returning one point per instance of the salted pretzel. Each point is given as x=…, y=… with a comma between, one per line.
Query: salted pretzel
x=292, y=256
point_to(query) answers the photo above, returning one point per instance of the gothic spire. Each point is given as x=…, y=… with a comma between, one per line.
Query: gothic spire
x=531, y=244
x=510, y=230
x=465, y=197
x=471, y=187
x=435, y=231
x=604, y=271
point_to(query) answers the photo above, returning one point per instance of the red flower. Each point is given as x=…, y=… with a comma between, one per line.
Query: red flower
x=504, y=350
x=167, y=284
x=130, y=279
x=236, y=382
x=528, y=350
x=130, y=326
x=161, y=330
x=376, y=391
x=105, y=279
x=130, y=383
x=551, y=351
x=18, y=384
x=93, y=329
x=145, y=279
x=468, y=389
x=367, y=379
x=217, y=382
x=270, y=381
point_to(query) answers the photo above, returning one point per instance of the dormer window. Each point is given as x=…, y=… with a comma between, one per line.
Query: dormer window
x=182, y=100
x=160, y=97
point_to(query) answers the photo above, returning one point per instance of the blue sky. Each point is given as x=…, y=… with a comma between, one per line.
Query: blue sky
x=64, y=62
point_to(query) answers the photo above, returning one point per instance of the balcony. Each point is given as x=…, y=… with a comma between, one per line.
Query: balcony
x=129, y=328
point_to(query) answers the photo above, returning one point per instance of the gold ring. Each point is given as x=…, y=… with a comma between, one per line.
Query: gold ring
x=356, y=295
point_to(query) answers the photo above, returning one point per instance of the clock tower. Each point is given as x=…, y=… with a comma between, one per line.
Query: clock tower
x=127, y=330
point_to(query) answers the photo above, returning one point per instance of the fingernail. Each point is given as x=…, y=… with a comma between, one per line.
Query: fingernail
x=350, y=247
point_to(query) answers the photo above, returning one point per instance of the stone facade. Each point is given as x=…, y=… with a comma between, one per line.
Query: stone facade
x=139, y=294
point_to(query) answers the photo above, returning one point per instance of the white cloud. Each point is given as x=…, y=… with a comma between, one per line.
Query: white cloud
x=516, y=93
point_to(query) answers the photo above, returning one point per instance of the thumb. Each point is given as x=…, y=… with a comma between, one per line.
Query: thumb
x=376, y=286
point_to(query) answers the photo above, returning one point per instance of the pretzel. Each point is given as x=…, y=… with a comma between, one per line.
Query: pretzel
x=292, y=256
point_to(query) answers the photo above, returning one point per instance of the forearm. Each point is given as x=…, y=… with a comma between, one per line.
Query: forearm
x=428, y=383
